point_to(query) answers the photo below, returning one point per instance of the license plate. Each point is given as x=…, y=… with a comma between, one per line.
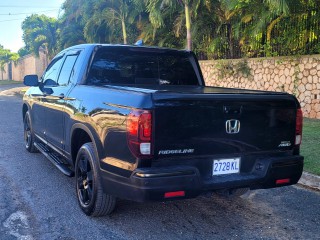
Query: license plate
x=226, y=166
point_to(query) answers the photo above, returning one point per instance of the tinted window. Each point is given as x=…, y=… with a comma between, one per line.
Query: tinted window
x=66, y=69
x=51, y=75
x=138, y=66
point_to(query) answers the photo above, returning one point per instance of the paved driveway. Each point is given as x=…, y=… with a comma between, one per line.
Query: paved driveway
x=6, y=87
x=38, y=202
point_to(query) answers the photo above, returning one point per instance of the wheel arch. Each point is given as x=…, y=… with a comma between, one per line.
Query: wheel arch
x=25, y=109
x=81, y=134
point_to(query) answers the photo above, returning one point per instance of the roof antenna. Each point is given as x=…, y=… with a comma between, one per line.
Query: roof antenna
x=139, y=43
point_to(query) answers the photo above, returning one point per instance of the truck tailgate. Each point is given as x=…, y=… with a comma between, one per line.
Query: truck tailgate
x=232, y=123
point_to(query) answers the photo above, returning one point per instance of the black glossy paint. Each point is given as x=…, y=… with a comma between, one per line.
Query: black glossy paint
x=184, y=117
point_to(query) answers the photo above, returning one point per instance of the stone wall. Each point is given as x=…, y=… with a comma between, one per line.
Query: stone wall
x=296, y=75
x=26, y=65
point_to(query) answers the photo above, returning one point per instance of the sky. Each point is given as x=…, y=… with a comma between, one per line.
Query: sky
x=12, y=14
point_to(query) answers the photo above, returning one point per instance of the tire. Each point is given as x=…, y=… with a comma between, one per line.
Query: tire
x=91, y=198
x=28, y=134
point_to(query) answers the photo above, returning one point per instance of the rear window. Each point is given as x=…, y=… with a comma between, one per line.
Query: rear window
x=139, y=66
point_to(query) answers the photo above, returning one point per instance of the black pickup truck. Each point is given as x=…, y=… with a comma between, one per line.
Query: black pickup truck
x=139, y=123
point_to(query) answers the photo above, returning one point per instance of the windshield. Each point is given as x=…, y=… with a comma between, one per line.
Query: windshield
x=141, y=66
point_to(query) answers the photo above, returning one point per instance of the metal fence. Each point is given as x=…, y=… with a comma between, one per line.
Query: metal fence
x=297, y=34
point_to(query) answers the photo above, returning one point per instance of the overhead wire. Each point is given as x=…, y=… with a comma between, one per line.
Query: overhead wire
x=14, y=14
x=11, y=20
x=25, y=6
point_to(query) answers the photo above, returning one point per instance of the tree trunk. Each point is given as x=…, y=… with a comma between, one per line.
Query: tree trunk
x=309, y=32
x=46, y=53
x=188, y=26
x=230, y=40
x=271, y=26
x=124, y=32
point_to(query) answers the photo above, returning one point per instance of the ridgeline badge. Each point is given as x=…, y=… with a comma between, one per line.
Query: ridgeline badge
x=177, y=151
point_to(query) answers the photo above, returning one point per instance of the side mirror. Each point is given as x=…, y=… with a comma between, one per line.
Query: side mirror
x=31, y=80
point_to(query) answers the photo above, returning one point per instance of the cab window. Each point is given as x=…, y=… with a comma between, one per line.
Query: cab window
x=66, y=70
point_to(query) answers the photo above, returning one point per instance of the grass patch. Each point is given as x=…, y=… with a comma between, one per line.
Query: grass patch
x=7, y=82
x=310, y=147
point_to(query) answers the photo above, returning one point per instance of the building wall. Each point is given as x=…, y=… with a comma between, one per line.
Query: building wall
x=41, y=64
x=26, y=65
x=296, y=75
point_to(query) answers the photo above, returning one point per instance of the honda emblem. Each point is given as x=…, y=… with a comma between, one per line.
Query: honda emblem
x=232, y=126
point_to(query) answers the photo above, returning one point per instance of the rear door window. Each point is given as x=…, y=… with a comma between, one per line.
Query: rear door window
x=139, y=66
x=50, y=77
x=67, y=69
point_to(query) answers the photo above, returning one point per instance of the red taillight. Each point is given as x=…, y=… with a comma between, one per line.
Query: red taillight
x=299, y=121
x=283, y=181
x=139, y=133
x=145, y=126
x=132, y=124
x=174, y=194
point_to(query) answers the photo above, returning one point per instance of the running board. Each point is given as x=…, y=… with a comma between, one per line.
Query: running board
x=54, y=159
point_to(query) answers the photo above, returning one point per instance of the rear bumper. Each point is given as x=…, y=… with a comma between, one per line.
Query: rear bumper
x=151, y=184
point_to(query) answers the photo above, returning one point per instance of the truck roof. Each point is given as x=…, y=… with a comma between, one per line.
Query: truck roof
x=152, y=48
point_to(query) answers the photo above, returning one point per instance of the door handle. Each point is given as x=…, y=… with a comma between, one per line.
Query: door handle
x=61, y=96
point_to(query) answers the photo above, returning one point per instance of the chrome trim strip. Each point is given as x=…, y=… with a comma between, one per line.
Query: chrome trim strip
x=168, y=174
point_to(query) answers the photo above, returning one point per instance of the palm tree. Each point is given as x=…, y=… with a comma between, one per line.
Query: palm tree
x=225, y=11
x=117, y=12
x=156, y=9
x=71, y=23
x=6, y=56
x=40, y=31
x=212, y=27
x=188, y=23
x=108, y=17
x=260, y=19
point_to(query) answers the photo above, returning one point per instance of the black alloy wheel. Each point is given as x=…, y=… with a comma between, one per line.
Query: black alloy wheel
x=93, y=201
x=84, y=180
x=28, y=134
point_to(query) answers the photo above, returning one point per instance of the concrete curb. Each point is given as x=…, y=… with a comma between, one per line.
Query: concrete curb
x=310, y=180
x=17, y=91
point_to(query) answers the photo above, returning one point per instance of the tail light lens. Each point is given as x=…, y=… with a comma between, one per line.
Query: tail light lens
x=174, y=194
x=139, y=133
x=299, y=123
x=283, y=181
